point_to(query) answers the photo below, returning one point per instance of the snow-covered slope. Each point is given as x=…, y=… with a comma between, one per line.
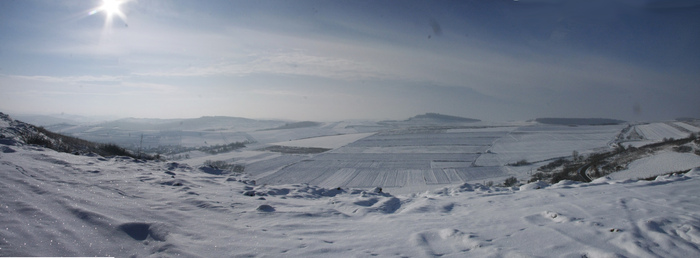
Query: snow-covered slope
x=538, y=143
x=659, y=164
x=331, y=142
x=58, y=204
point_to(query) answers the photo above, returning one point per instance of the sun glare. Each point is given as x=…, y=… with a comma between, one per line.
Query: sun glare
x=110, y=8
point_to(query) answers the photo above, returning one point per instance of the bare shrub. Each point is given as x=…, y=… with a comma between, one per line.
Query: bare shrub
x=521, y=162
x=223, y=165
x=511, y=181
x=539, y=176
x=36, y=138
x=683, y=149
x=552, y=165
x=111, y=149
x=568, y=173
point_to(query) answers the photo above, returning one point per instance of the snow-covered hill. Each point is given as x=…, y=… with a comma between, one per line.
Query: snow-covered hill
x=59, y=204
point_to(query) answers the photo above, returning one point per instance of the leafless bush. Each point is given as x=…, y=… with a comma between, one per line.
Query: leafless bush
x=511, y=181
x=223, y=165
x=521, y=162
x=36, y=138
x=683, y=149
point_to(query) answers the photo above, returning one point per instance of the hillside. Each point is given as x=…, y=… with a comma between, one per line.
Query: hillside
x=13, y=132
x=58, y=204
x=435, y=117
x=61, y=204
x=151, y=133
x=579, y=121
x=430, y=119
x=302, y=124
x=194, y=124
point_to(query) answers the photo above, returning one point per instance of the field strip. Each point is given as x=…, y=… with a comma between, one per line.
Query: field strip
x=381, y=178
x=363, y=179
x=440, y=176
x=415, y=149
x=658, y=131
x=329, y=142
x=429, y=177
x=452, y=175
x=395, y=179
x=340, y=178
x=450, y=164
x=688, y=127
x=262, y=168
x=414, y=177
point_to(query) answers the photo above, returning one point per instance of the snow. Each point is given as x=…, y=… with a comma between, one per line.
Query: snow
x=393, y=193
x=688, y=127
x=400, y=160
x=659, y=164
x=414, y=149
x=545, y=142
x=659, y=131
x=282, y=135
x=58, y=204
x=329, y=142
x=198, y=157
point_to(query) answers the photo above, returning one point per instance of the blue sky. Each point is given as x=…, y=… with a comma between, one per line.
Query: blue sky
x=332, y=60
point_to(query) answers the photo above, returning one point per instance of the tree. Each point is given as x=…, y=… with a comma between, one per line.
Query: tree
x=575, y=156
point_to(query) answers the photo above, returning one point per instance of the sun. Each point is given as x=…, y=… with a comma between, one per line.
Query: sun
x=110, y=8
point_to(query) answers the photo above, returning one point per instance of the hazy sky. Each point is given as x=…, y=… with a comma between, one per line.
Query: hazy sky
x=332, y=60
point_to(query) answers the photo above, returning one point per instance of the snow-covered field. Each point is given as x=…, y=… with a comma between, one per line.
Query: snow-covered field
x=58, y=204
x=283, y=135
x=330, y=142
x=414, y=159
x=659, y=164
x=405, y=160
x=544, y=142
x=687, y=127
x=326, y=204
x=659, y=131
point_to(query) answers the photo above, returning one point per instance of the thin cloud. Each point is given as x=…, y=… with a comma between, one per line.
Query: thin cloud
x=70, y=79
x=283, y=63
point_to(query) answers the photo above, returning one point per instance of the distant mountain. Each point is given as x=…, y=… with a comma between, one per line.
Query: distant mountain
x=579, y=121
x=44, y=120
x=440, y=118
x=686, y=119
x=209, y=123
x=193, y=132
x=41, y=120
